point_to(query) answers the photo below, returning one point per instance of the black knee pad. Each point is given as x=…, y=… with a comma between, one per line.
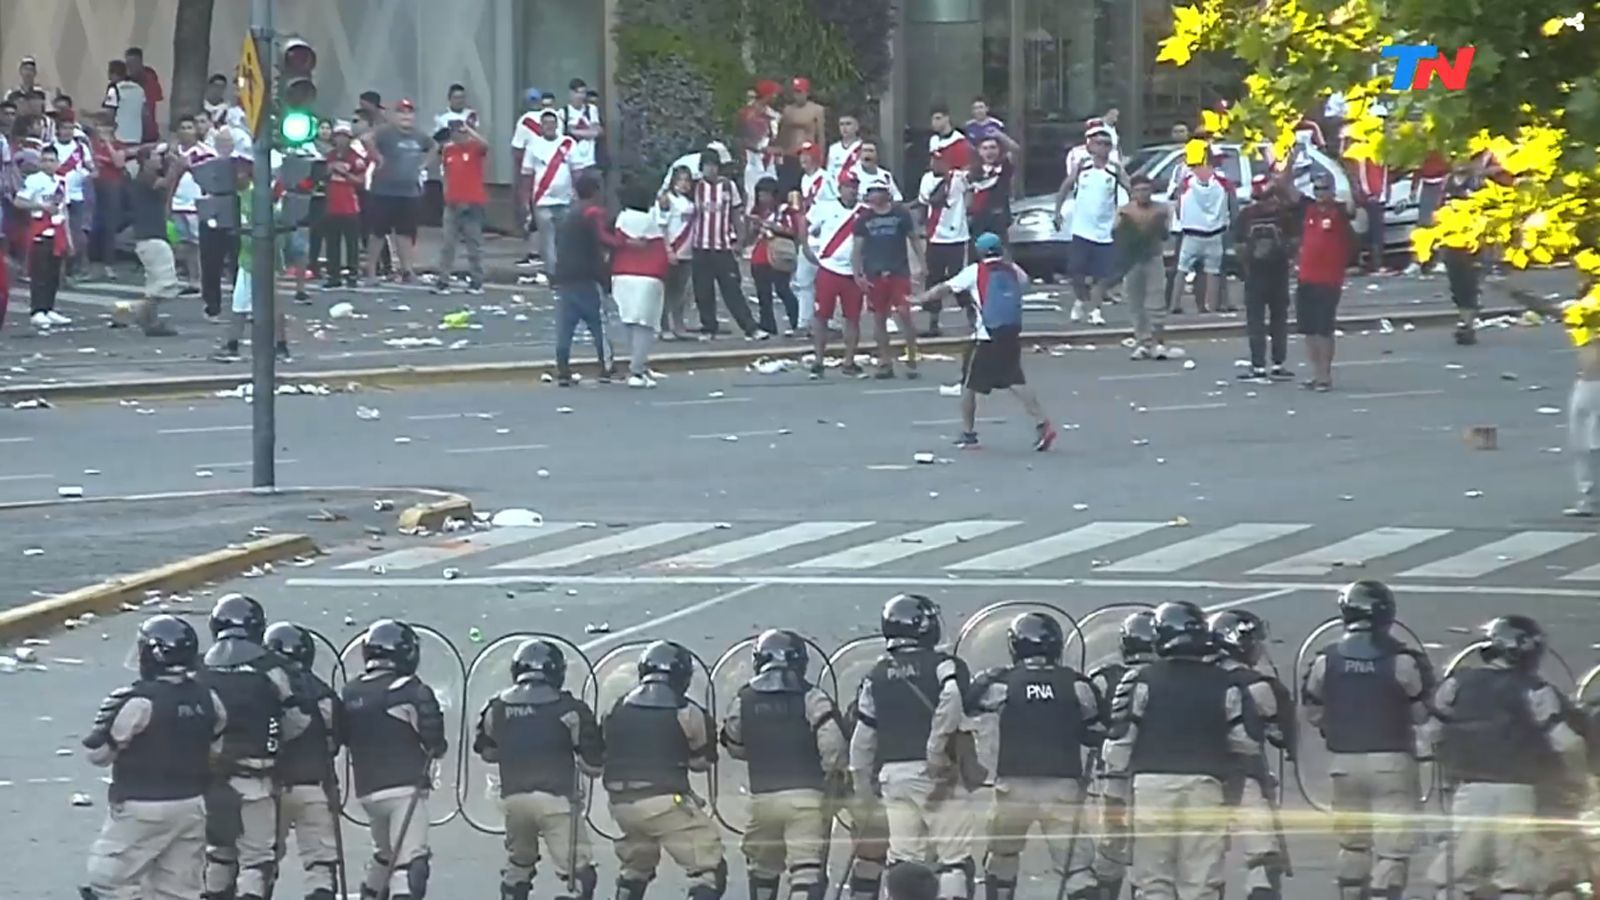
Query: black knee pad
x=417, y=872
x=515, y=891
x=587, y=878
x=999, y=889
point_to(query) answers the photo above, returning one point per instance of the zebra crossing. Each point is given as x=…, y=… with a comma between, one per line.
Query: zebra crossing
x=993, y=547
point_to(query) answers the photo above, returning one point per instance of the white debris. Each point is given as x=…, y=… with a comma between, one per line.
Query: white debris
x=202, y=473
x=260, y=531
x=731, y=438
x=1473, y=495
x=368, y=414
x=765, y=366
x=459, y=345
x=1549, y=410
x=91, y=471
x=453, y=525
x=27, y=654
x=81, y=799
x=376, y=569
x=543, y=473
x=341, y=310
x=1177, y=522
x=924, y=459
x=1189, y=364
x=1141, y=442
x=451, y=574
x=1408, y=326
x=33, y=551
x=402, y=440
x=1079, y=507
x=547, y=378
x=715, y=395
x=597, y=628
x=1453, y=366
x=7, y=664
x=1385, y=326
x=949, y=390
x=411, y=343
x=516, y=517
x=564, y=409
x=70, y=491
x=315, y=390
x=382, y=505
x=34, y=403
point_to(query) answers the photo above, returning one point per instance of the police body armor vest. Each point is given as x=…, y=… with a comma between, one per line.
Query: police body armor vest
x=1365, y=710
x=385, y=751
x=169, y=759
x=254, y=711
x=1184, y=727
x=536, y=749
x=1112, y=674
x=1041, y=724
x=305, y=760
x=780, y=745
x=905, y=689
x=1491, y=736
x=646, y=750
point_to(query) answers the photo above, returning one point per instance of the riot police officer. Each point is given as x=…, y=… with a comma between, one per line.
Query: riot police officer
x=909, y=746
x=1185, y=735
x=307, y=785
x=1241, y=637
x=788, y=732
x=654, y=737
x=393, y=730
x=542, y=738
x=257, y=689
x=1500, y=731
x=1366, y=693
x=1136, y=648
x=157, y=736
x=1036, y=716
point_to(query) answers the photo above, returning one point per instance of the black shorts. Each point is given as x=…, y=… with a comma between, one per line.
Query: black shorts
x=995, y=364
x=393, y=215
x=1316, y=308
x=1092, y=260
x=945, y=261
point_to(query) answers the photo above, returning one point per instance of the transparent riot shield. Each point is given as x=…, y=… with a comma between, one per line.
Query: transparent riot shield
x=1102, y=633
x=1311, y=769
x=442, y=668
x=615, y=674
x=489, y=674
x=865, y=822
x=1588, y=692
x=329, y=666
x=984, y=641
x=1554, y=667
x=730, y=795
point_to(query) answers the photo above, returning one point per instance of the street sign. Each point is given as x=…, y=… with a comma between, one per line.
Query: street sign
x=252, y=84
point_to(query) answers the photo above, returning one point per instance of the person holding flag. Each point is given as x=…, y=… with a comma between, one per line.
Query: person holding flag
x=995, y=285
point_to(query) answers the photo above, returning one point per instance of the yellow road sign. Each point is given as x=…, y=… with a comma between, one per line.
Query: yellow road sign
x=252, y=84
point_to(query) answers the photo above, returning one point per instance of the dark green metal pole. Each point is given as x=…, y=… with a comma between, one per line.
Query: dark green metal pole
x=263, y=315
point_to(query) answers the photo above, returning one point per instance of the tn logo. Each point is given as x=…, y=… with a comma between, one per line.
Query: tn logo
x=1041, y=692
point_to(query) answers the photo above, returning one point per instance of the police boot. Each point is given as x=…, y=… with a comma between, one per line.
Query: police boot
x=627, y=889
x=1111, y=890
x=1466, y=334
x=515, y=891
x=763, y=887
x=995, y=889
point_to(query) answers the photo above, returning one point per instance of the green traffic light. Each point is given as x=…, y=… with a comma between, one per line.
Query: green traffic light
x=298, y=127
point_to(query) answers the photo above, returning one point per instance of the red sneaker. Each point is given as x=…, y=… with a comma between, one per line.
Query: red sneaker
x=1047, y=437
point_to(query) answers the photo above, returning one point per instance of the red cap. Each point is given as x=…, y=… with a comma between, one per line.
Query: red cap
x=800, y=84
x=406, y=106
x=767, y=88
x=808, y=148
x=849, y=176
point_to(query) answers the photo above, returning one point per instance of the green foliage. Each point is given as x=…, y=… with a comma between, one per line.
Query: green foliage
x=666, y=114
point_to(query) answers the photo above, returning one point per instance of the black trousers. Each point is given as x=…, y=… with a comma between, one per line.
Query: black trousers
x=319, y=206
x=769, y=280
x=219, y=251
x=44, y=276
x=714, y=271
x=1266, y=315
x=945, y=261
x=1461, y=270
x=342, y=238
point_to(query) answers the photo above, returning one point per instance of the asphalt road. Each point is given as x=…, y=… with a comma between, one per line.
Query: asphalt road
x=817, y=512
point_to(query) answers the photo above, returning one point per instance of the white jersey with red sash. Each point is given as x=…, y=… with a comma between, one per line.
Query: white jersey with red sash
x=39, y=187
x=552, y=175
x=832, y=236
x=947, y=214
x=842, y=156
x=815, y=188
x=995, y=287
x=678, y=225
x=953, y=148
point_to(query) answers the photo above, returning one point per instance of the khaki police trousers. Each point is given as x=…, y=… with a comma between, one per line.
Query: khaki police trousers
x=1257, y=829
x=672, y=822
x=241, y=837
x=1056, y=806
x=1180, y=830
x=304, y=809
x=1375, y=800
x=927, y=819
x=1113, y=847
x=386, y=813
x=1496, y=843
x=788, y=829
x=149, y=850
x=537, y=815
x=1564, y=860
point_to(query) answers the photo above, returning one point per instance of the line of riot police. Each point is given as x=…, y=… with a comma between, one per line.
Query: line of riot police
x=1135, y=761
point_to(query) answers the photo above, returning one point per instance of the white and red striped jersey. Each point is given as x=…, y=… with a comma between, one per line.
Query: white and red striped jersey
x=831, y=234
x=715, y=205
x=678, y=225
x=953, y=146
x=842, y=156
x=1203, y=204
x=817, y=187
x=548, y=164
x=878, y=176
x=77, y=166
x=947, y=219
x=188, y=190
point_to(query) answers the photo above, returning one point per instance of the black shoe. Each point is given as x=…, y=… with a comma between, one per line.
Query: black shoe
x=160, y=331
x=884, y=374
x=227, y=353
x=1254, y=373
x=301, y=297
x=282, y=351
x=851, y=369
x=1280, y=373
x=816, y=372
x=332, y=284
x=563, y=381
x=912, y=374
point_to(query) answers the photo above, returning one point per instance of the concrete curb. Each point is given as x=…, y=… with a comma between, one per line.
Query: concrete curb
x=433, y=516
x=402, y=376
x=108, y=596
x=225, y=492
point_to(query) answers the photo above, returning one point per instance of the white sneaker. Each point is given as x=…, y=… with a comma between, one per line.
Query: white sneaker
x=1077, y=311
x=1160, y=352
x=57, y=318
x=1095, y=318
x=1413, y=269
x=636, y=381
x=41, y=320
x=1174, y=352
x=1140, y=352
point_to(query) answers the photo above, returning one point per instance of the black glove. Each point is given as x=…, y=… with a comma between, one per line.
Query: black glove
x=100, y=734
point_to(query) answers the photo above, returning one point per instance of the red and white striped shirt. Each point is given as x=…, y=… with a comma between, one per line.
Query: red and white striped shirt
x=715, y=203
x=816, y=187
x=1374, y=179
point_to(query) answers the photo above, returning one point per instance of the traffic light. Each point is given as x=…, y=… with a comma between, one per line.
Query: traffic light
x=297, y=124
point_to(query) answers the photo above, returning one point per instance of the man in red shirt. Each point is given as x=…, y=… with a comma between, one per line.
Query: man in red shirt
x=341, y=216
x=1326, y=242
x=462, y=159
x=151, y=82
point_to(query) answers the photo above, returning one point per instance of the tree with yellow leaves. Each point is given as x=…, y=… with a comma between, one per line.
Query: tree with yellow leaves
x=1532, y=99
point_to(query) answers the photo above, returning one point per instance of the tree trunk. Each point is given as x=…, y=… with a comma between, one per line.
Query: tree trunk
x=191, y=58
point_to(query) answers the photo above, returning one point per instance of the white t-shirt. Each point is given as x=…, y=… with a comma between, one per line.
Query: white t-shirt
x=469, y=115
x=1203, y=205
x=966, y=282
x=871, y=179
x=77, y=167
x=828, y=221
x=817, y=187
x=226, y=114
x=39, y=187
x=574, y=117
x=126, y=100
x=842, y=156
x=678, y=225
x=950, y=227
x=1096, y=196
x=187, y=191
x=527, y=129
x=550, y=160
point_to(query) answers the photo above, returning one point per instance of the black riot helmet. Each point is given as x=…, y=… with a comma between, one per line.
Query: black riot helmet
x=167, y=646
x=1035, y=635
x=779, y=648
x=393, y=645
x=911, y=619
x=669, y=662
x=292, y=642
x=1366, y=605
x=1517, y=641
x=1240, y=633
x=1139, y=636
x=1181, y=630
x=539, y=661
x=238, y=616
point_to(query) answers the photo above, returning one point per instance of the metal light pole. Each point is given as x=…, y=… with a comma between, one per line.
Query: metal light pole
x=263, y=331
x=1135, y=112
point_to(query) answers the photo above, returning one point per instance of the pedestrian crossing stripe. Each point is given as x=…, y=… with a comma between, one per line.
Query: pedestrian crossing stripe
x=863, y=545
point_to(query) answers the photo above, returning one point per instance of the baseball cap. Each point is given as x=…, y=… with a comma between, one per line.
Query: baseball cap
x=28, y=61
x=342, y=127
x=372, y=97
x=800, y=84
x=877, y=187
x=988, y=244
x=406, y=105
x=1097, y=131
x=533, y=95
x=768, y=88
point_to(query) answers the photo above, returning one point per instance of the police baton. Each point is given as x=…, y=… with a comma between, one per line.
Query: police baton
x=574, y=822
x=405, y=822
x=330, y=786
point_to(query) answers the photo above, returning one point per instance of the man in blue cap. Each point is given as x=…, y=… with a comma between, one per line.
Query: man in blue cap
x=995, y=285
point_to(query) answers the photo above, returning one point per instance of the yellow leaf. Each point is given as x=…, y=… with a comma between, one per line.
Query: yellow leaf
x=1422, y=243
x=1517, y=257
x=1542, y=256
x=1552, y=27
x=1213, y=122
x=1588, y=261
x=1580, y=336
x=1176, y=50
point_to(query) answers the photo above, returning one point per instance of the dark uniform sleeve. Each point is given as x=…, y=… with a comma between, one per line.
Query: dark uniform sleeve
x=430, y=721
x=591, y=743
x=483, y=740
x=700, y=731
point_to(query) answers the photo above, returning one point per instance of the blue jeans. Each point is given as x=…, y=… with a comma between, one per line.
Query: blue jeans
x=578, y=303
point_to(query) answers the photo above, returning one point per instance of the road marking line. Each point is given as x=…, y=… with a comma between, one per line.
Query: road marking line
x=438, y=417
x=1253, y=598
x=941, y=580
x=723, y=434
x=459, y=450
x=1184, y=407
x=657, y=621
x=1376, y=362
x=1518, y=548
x=16, y=440
x=1206, y=547
x=1362, y=547
x=1384, y=395
x=1590, y=574
x=1056, y=546
x=877, y=553
x=241, y=464
x=207, y=429
x=736, y=551
x=708, y=401
x=981, y=420
x=1141, y=376
x=24, y=477
x=900, y=390
x=634, y=539
x=417, y=557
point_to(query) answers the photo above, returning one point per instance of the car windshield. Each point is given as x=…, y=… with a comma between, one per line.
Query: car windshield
x=1145, y=156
